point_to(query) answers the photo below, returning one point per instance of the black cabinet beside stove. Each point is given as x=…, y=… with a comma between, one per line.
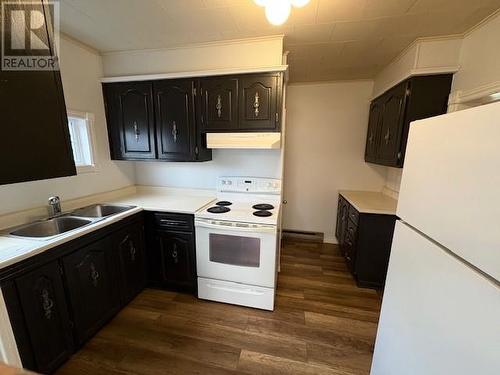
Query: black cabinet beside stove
x=171, y=251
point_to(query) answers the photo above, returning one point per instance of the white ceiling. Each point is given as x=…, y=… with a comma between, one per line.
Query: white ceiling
x=327, y=39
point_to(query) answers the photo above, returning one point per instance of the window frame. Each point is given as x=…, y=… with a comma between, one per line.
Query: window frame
x=89, y=119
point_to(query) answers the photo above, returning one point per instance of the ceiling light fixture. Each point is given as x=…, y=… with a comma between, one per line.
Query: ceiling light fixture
x=277, y=11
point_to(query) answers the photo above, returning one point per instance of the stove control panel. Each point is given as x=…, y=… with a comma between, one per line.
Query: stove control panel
x=253, y=185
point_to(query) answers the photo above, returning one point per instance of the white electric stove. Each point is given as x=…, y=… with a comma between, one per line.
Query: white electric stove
x=237, y=242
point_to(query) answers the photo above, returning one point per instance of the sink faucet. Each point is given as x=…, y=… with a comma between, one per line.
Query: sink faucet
x=54, y=206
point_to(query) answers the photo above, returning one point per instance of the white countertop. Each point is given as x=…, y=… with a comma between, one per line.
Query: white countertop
x=371, y=202
x=187, y=201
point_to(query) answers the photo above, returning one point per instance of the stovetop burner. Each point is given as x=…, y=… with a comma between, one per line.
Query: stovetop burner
x=224, y=203
x=262, y=213
x=218, y=209
x=263, y=207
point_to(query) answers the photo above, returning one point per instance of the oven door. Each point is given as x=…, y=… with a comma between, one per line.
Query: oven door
x=237, y=252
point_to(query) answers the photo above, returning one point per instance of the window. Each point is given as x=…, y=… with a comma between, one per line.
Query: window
x=80, y=131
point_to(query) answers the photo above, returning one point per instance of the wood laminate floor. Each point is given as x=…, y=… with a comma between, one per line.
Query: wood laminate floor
x=322, y=324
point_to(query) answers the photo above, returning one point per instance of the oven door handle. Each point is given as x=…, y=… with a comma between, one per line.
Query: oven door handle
x=255, y=228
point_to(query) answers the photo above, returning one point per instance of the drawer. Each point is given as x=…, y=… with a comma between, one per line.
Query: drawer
x=236, y=293
x=176, y=222
x=353, y=214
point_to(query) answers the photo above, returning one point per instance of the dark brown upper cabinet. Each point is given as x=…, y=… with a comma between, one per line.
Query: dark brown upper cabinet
x=175, y=119
x=34, y=118
x=373, y=130
x=391, y=113
x=154, y=120
x=130, y=118
x=219, y=103
x=259, y=97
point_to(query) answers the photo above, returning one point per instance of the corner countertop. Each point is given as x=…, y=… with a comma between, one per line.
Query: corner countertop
x=176, y=200
x=370, y=202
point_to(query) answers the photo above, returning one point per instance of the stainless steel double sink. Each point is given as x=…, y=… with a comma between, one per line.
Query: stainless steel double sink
x=69, y=221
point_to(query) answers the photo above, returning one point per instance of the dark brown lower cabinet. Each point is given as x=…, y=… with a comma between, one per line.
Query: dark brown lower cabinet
x=91, y=277
x=365, y=241
x=129, y=244
x=37, y=303
x=60, y=298
x=171, y=251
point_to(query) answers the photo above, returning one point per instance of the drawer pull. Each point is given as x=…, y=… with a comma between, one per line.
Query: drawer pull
x=172, y=222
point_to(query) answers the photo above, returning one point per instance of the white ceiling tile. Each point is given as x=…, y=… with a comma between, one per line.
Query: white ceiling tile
x=340, y=10
x=386, y=8
x=315, y=33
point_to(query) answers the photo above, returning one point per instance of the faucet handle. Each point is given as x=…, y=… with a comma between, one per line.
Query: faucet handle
x=54, y=205
x=54, y=200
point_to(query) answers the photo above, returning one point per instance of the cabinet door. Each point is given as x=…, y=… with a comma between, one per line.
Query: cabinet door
x=175, y=126
x=219, y=98
x=177, y=259
x=392, y=125
x=128, y=243
x=342, y=214
x=259, y=96
x=373, y=135
x=35, y=136
x=41, y=294
x=92, y=287
x=130, y=118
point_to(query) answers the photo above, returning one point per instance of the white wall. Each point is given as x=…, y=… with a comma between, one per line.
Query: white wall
x=81, y=69
x=237, y=54
x=326, y=134
x=479, y=58
x=261, y=163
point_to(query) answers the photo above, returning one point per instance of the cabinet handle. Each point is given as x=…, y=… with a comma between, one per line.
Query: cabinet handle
x=174, y=254
x=47, y=304
x=171, y=222
x=136, y=131
x=174, y=131
x=94, y=274
x=370, y=138
x=387, y=136
x=132, y=251
x=256, y=104
x=348, y=258
x=218, y=106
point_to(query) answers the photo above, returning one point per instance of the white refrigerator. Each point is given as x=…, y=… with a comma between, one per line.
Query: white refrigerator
x=441, y=306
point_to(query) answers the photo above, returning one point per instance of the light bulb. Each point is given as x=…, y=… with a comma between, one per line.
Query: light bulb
x=277, y=11
x=299, y=3
x=261, y=3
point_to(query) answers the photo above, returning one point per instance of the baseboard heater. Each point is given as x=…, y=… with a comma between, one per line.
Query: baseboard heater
x=303, y=235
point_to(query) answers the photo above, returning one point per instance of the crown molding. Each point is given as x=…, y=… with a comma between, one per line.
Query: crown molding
x=279, y=37
x=196, y=73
